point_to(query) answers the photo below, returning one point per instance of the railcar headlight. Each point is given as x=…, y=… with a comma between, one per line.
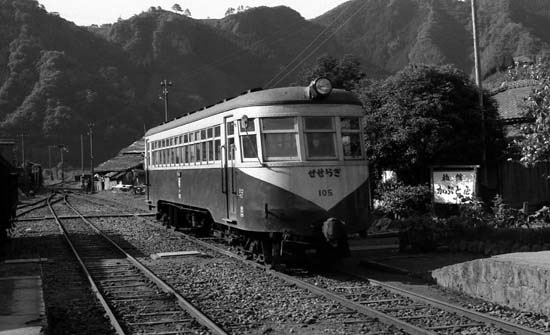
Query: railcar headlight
x=320, y=87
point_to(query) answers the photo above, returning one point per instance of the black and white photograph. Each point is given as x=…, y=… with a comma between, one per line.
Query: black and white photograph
x=275, y=167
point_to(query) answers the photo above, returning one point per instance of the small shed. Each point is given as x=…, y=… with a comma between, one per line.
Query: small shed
x=519, y=184
x=125, y=168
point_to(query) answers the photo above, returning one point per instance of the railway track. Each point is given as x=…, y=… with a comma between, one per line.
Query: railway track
x=33, y=206
x=249, y=300
x=408, y=311
x=370, y=300
x=135, y=300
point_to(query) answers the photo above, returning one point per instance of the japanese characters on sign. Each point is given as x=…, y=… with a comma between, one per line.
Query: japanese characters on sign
x=324, y=173
x=453, y=187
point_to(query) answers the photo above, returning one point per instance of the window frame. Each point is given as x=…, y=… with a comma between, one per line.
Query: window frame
x=333, y=131
x=295, y=131
x=344, y=131
x=241, y=133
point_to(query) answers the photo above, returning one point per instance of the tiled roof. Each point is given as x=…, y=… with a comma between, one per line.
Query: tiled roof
x=510, y=95
x=121, y=163
x=128, y=158
x=138, y=147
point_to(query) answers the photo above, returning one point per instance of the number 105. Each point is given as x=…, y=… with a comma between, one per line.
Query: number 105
x=325, y=192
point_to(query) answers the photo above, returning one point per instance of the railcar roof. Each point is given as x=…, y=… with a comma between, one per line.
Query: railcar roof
x=275, y=96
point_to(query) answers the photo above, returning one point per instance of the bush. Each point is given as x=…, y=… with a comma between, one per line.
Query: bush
x=419, y=234
x=397, y=200
x=505, y=217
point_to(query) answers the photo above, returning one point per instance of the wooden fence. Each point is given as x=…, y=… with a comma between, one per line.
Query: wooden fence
x=518, y=184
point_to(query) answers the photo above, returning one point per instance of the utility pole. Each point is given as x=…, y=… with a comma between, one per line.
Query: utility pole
x=164, y=84
x=81, y=160
x=477, y=65
x=22, y=150
x=50, y=157
x=62, y=147
x=50, y=160
x=479, y=84
x=91, y=133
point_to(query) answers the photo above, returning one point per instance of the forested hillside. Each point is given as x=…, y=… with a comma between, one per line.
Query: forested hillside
x=56, y=77
x=392, y=34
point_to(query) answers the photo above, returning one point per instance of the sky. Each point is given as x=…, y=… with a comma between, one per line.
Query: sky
x=86, y=12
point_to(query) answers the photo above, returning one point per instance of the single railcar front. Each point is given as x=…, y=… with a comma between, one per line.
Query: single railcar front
x=279, y=165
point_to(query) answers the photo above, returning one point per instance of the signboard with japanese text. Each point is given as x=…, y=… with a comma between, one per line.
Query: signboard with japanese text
x=454, y=186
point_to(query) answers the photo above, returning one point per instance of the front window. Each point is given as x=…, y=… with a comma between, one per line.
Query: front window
x=280, y=138
x=248, y=140
x=320, y=137
x=351, y=137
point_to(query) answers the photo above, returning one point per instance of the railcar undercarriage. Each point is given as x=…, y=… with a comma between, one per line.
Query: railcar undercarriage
x=265, y=247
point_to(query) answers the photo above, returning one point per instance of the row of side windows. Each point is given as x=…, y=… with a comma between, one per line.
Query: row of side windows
x=193, y=148
x=279, y=138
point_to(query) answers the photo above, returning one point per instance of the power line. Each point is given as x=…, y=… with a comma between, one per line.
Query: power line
x=297, y=57
x=322, y=43
x=289, y=30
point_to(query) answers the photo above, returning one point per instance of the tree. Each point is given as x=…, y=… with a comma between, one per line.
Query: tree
x=427, y=115
x=344, y=73
x=187, y=12
x=230, y=11
x=177, y=8
x=534, y=138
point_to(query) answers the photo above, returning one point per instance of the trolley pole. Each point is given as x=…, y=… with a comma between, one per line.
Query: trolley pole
x=91, y=133
x=164, y=84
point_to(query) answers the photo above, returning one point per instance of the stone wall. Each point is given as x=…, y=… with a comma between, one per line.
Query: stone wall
x=518, y=280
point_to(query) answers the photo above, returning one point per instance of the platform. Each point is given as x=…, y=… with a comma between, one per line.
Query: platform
x=518, y=280
x=376, y=242
x=22, y=310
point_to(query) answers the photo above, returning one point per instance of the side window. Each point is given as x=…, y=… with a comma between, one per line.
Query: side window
x=248, y=140
x=320, y=137
x=204, y=149
x=217, y=143
x=191, y=154
x=198, y=152
x=230, y=145
x=280, y=138
x=178, y=155
x=351, y=137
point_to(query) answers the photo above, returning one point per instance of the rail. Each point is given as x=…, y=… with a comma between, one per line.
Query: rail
x=181, y=301
x=112, y=319
x=480, y=317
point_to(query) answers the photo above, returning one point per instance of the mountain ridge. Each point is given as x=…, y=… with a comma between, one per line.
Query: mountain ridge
x=57, y=77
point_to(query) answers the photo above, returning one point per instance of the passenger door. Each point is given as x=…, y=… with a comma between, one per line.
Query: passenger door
x=228, y=170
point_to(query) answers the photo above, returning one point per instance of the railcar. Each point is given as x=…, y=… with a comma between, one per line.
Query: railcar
x=278, y=170
x=8, y=197
x=30, y=178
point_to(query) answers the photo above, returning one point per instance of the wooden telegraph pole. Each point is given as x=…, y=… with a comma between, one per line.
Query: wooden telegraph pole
x=165, y=84
x=479, y=84
x=91, y=133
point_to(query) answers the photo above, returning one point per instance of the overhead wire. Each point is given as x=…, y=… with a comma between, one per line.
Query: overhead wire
x=322, y=43
x=297, y=57
x=289, y=30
